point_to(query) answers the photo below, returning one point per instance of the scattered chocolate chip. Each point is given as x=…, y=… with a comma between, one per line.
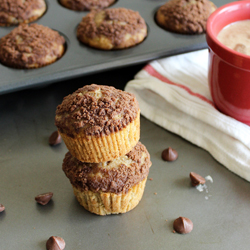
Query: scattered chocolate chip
x=150, y=179
x=155, y=193
x=2, y=208
x=55, y=138
x=55, y=243
x=169, y=154
x=183, y=225
x=174, y=231
x=43, y=199
x=196, y=179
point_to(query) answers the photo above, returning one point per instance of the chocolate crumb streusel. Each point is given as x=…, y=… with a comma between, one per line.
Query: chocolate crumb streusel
x=112, y=29
x=13, y=12
x=82, y=5
x=185, y=16
x=31, y=46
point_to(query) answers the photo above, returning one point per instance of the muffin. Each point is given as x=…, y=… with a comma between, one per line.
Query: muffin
x=109, y=187
x=31, y=46
x=99, y=123
x=82, y=5
x=112, y=29
x=13, y=12
x=185, y=16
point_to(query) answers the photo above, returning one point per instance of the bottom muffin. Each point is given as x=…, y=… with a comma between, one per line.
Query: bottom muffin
x=111, y=187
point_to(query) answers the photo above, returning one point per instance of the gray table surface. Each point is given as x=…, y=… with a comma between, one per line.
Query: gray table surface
x=29, y=166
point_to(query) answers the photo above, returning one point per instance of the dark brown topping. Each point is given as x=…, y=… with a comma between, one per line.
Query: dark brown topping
x=186, y=16
x=55, y=138
x=96, y=109
x=2, y=208
x=196, y=179
x=106, y=177
x=43, y=199
x=29, y=44
x=115, y=24
x=169, y=154
x=82, y=5
x=19, y=9
x=183, y=225
x=55, y=243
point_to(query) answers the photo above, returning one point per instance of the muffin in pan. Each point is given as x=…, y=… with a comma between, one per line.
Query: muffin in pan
x=99, y=123
x=185, y=16
x=82, y=5
x=31, y=46
x=109, y=187
x=112, y=29
x=13, y=12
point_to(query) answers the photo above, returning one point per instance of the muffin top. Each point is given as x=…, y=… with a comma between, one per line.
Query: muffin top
x=86, y=4
x=114, y=24
x=116, y=176
x=96, y=110
x=186, y=16
x=19, y=9
x=30, y=45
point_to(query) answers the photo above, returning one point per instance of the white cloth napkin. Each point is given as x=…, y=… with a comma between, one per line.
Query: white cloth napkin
x=173, y=92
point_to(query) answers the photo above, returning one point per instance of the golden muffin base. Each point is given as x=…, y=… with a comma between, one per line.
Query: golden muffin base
x=110, y=203
x=104, y=148
x=104, y=43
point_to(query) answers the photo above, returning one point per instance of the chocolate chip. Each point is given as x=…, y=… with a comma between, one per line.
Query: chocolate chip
x=169, y=154
x=196, y=179
x=183, y=225
x=43, y=199
x=55, y=243
x=2, y=208
x=55, y=138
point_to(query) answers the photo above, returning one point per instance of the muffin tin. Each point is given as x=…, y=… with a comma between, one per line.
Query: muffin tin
x=80, y=60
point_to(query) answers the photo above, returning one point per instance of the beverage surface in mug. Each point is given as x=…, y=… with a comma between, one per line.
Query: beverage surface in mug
x=236, y=36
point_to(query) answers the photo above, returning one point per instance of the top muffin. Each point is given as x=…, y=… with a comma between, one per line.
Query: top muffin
x=13, y=12
x=99, y=123
x=96, y=110
x=185, y=16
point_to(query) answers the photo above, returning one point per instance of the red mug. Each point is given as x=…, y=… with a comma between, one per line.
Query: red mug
x=229, y=70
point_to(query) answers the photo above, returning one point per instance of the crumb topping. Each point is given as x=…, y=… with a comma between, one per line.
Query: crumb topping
x=20, y=9
x=111, y=23
x=28, y=44
x=191, y=15
x=116, y=176
x=96, y=110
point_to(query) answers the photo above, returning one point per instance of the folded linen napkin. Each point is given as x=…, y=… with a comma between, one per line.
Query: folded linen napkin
x=173, y=92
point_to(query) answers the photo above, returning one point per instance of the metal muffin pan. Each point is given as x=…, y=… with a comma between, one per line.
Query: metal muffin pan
x=80, y=60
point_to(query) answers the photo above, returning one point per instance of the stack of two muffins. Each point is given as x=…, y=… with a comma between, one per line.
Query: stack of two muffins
x=106, y=164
